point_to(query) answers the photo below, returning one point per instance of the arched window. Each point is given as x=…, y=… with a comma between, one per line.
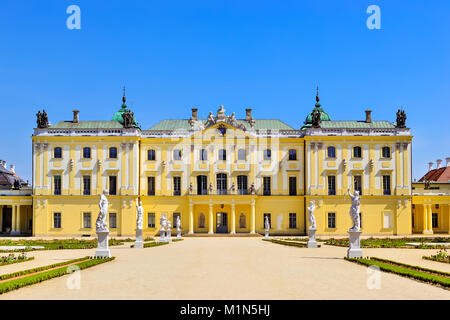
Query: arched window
x=57, y=153
x=292, y=154
x=151, y=155
x=242, y=154
x=86, y=153
x=242, y=221
x=201, y=220
x=357, y=153
x=113, y=153
x=331, y=152
x=386, y=152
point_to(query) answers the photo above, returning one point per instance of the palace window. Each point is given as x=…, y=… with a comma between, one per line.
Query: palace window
x=412, y=220
x=242, y=222
x=268, y=215
x=242, y=154
x=86, y=185
x=57, y=220
x=386, y=185
x=436, y=206
x=87, y=220
x=242, y=184
x=176, y=186
x=201, y=220
x=86, y=153
x=113, y=153
x=113, y=220
x=222, y=154
x=292, y=220
x=434, y=220
x=267, y=154
x=202, y=185
x=387, y=220
x=266, y=186
x=112, y=185
x=151, y=186
x=360, y=219
x=151, y=220
x=221, y=183
x=57, y=153
x=331, y=152
x=292, y=186
x=177, y=154
x=151, y=155
x=331, y=185
x=357, y=152
x=386, y=152
x=357, y=185
x=331, y=220
x=203, y=155
x=292, y=154
x=57, y=185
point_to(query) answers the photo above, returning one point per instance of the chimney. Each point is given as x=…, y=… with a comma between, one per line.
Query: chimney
x=448, y=161
x=368, y=116
x=248, y=114
x=430, y=166
x=12, y=168
x=438, y=163
x=75, y=116
x=194, y=114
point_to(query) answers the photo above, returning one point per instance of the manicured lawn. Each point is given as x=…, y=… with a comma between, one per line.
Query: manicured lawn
x=404, y=270
x=57, y=244
x=390, y=242
x=31, y=276
x=288, y=243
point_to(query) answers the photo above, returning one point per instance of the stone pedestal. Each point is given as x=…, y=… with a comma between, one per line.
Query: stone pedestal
x=139, y=243
x=169, y=236
x=179, y=235
x=102, y=245
x=266, y=236
x=354, y=251
x=312, y=238
x=162, y=237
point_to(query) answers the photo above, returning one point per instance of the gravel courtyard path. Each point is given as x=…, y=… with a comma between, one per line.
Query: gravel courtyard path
x=230, y=268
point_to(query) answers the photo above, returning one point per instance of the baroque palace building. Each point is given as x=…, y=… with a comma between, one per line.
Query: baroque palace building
x=222, y=174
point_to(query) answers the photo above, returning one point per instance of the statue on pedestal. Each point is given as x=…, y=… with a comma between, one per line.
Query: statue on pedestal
x=191, y=188
x=311, y=217
x=354, y=210
x=178, y=227
x=140, y=215
x=169, y=231
x=163, y=223
x=252, y=189
x=101, y=224
x=211, y=188
x=267, y=226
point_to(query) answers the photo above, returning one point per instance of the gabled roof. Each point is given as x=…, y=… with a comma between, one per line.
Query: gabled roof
x=437, y=175
x=183, y=124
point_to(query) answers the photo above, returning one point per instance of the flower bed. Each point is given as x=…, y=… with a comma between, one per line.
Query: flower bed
x=441, y=256
x=56, y=244
x=390, y=242
x=12, y=258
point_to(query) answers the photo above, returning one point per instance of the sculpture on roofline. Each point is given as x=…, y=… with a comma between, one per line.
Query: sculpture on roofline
x=316, y=118
x=401, y=119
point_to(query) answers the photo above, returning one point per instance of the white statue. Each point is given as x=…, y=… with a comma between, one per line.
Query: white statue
x=140, y=215
x=311, y=218
x=101, y=224
x=211, y=188
x=163, y=223
x=178, y=227
x=191, y=188
x=354, y=210
x=267, y=223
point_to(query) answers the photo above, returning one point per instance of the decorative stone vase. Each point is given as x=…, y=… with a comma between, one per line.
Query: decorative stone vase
x=312, y=238
x=139, y=243
x=354, y=250
x=102, y=245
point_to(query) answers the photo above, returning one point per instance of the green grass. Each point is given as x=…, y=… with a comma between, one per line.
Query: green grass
x=287, y=243
x=14, y=284
x=16, y=261
x=433, y=258
x=57, y=244
x=154, y=244
x=390, y=242
x=405, y=270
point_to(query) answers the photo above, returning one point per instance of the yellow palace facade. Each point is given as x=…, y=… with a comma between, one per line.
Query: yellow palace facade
x=221, y=174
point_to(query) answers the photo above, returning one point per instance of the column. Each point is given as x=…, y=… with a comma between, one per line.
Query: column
x=233, y=218
x=18, y=219
x=191, y=217
x=252, y=217
x=425, y=218
x=430, y=219
x=13, y=219
x=211, y=220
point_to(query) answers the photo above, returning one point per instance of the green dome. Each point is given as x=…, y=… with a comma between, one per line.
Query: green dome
x=323, y=115
x=118, y=116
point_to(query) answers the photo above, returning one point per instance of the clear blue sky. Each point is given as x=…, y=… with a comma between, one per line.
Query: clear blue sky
x=267, y=55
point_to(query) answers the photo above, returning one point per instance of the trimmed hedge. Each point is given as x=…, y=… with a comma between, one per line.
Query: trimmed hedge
x=36, y=278
x=154, y=244
x=390, y=242
x=432, y=258
x=16, y=261
x=57, y=244
x=287, y=243
x=413, y=272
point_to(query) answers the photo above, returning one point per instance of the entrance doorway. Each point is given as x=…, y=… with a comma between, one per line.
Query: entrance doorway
x=7, y=219
x=221, y=222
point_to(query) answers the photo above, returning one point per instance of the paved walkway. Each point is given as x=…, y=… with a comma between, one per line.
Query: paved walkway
x=230, y=268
